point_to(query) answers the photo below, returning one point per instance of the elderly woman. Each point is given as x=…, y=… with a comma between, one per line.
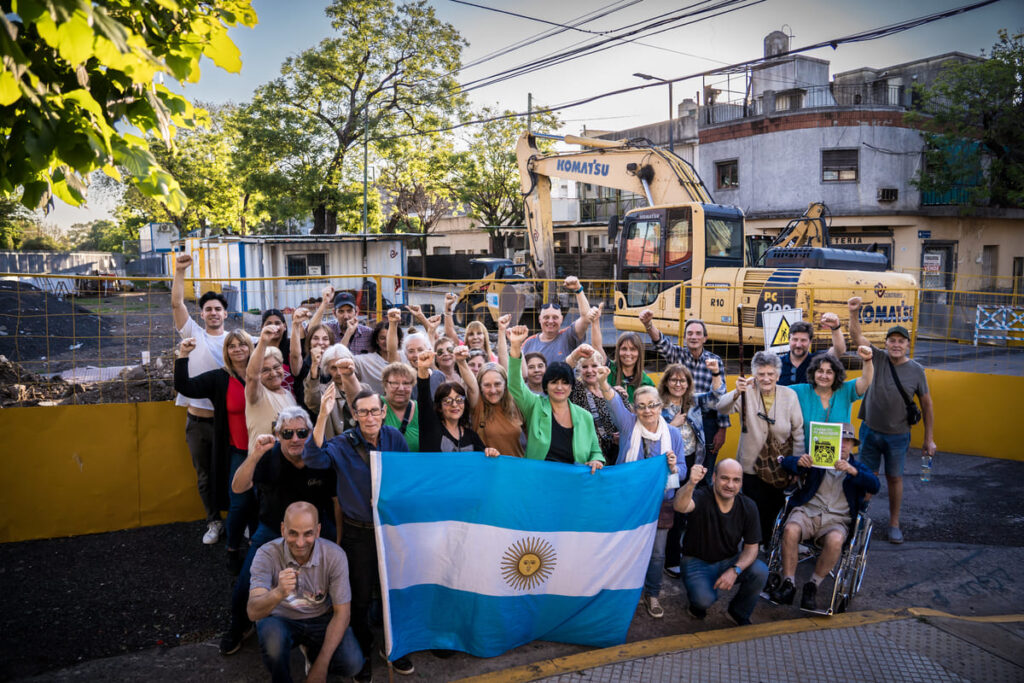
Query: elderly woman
x=225, y=387
x=830, y=396
x=774, y=427
x=556, y=429
x=338, y=363
x=647, y=435
x=587, y=394
x=494, y=414
x=401, y=411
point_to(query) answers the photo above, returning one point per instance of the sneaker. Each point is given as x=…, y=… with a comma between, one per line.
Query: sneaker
x=231, y=641
x=809, y=598
x=697, y=612
x=895, y=535
x=740, y=621
x=402, y=665
x=213, y=531
x=653, y=606
x=673, y=572
x=783, y=595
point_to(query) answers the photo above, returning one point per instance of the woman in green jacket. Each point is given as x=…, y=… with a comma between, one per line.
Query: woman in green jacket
x=556, y=429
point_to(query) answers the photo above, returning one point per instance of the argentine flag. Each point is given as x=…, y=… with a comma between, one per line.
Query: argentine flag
x=485, y=554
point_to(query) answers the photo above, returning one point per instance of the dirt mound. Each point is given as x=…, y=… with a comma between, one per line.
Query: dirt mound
x=151, y=382
x=35, y=323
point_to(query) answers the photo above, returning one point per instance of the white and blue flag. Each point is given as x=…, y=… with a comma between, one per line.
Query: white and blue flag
x=484, y=554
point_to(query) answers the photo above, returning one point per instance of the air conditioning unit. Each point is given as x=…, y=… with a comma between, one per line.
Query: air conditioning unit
x=888, y=194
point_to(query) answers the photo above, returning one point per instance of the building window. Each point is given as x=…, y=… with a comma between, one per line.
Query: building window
x=442, y=251
x=302, y=265
x=727, y=174
x=839, y=165
x=990, y=260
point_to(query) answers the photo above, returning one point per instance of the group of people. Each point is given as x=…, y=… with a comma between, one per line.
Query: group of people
x=280, y=427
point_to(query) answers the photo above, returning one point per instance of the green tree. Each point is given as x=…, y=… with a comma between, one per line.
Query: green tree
x=415, y=181
x=99, y=235
x=15, y=221
x=389, y=69
x=78, y=75
x=973, y=118
x=486, y=174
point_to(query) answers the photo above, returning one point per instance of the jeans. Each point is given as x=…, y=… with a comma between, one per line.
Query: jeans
x=652, y=582
x=278, y=635
x=700, y=577
x=243, y=509
x=240, y=593
x=360, y=547
x=876, y=446
x=199, y=438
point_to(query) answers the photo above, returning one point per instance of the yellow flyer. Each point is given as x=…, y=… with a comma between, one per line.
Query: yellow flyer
x=826, y=441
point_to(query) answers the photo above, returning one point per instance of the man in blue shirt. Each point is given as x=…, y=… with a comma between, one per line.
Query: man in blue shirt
x=349, y=455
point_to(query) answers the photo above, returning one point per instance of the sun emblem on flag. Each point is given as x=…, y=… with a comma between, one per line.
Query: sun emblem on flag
x=527, y=563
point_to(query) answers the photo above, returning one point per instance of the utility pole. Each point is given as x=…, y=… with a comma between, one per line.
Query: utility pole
x=366, y=144
x=671, y=111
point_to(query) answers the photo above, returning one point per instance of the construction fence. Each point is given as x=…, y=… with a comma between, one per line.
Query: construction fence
x=77, y=339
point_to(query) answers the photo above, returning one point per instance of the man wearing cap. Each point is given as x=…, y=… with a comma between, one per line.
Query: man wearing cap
x=553, y=341
x=345, y=324
x=885, y=430
x=823, y=509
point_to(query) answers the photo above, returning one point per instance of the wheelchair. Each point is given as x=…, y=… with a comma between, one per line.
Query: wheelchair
x=848, y=572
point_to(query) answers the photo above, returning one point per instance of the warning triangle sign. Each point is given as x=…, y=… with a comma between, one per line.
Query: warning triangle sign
x=781, y=336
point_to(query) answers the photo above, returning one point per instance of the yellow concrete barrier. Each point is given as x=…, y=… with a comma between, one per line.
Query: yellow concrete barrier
x=71, y=470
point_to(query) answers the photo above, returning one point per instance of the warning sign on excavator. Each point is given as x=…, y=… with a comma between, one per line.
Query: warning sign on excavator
x=776, y=327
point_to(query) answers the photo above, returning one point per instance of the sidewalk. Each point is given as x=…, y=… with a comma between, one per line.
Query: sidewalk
x=896, y=645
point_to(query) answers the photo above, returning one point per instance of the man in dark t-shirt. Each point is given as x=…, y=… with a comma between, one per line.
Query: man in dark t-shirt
x=719, y=520
x=275, y=467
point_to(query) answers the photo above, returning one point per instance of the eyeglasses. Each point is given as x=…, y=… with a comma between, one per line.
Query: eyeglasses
x=648, y=406
x=766, y=418
x=677, y=380
x=445, y=349
x=453, y=401
x=399, y=385
x=368, y=412
x=289, y=434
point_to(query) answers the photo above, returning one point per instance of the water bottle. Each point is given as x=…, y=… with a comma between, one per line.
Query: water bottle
x=926, y=468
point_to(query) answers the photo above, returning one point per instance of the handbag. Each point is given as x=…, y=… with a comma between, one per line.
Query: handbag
x=767, y=466
x=913, y=412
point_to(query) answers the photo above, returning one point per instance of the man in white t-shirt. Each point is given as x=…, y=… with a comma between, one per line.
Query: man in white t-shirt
x=208, y=355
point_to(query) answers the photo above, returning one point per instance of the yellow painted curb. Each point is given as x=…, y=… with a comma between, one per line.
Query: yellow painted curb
x=688, y=641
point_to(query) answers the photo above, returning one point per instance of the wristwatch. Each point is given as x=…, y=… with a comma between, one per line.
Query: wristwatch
x=736, y=567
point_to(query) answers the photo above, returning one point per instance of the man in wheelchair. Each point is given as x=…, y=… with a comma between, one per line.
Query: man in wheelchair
x=823, y=508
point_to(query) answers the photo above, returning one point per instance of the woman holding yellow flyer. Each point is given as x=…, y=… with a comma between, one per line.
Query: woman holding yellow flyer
x=830, y=396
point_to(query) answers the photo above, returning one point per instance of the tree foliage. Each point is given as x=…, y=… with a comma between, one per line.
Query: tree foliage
x=15, y=222
x=973, y=117
x=78, y=74
x=389, y=69
x=99, y=235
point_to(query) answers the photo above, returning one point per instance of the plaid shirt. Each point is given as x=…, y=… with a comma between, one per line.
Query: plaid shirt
x=360, y=342
x=701, y=375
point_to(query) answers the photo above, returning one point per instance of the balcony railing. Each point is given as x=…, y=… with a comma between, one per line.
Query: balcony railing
x=831, y=95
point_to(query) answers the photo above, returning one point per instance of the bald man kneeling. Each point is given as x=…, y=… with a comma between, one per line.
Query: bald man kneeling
x=299, y=595
x=719, y=519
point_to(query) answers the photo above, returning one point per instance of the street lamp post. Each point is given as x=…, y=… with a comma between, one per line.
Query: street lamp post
x=671, y=112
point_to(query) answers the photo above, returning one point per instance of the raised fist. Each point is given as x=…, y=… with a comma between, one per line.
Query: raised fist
x=182, y=262
x=697, y=473
x=416, y=311
x=425, y=359
x=346, y=366
x=299, y=315
x=328, y=398
x=186, y=347
x=854, y=304
x=712, y=365
x=327, y=294
x=585, y=351
x=830, y=321
x=594, y=314
x=503, y=323
x=572, y=283
x=865, y=353
x=351, y=325
x=315, y=354
x=449, y=300
x=461, y=354
x=394, y=316
x=287, y=579
x=262, y=444
x=432, y=322
x=646, y=317
x=602, y=373
x=518, y=334
x=270, y=332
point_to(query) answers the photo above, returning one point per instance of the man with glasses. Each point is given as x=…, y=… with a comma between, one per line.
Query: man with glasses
x=275, y=468
x=349, y=455
x=554, y=342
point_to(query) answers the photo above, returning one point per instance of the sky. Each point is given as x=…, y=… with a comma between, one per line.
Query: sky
x=287, y=27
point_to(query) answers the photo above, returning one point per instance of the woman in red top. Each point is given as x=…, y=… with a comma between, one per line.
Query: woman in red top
x=225, y=387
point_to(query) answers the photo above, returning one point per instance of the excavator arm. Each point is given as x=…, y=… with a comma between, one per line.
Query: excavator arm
x=632, y=165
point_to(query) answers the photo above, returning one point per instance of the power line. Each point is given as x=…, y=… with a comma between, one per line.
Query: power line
x=873, y=34
x=524, y=16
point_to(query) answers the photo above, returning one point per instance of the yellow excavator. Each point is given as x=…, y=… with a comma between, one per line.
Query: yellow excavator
x=684, y=250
